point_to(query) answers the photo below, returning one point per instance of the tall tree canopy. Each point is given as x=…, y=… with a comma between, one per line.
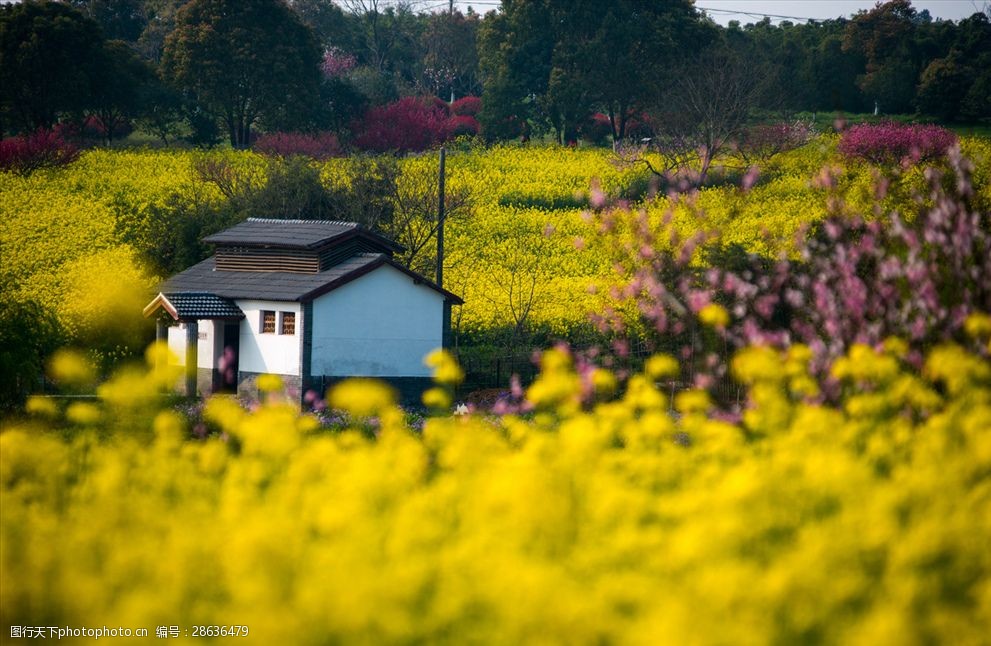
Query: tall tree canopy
x=49, y=56
x=119, y=19
x=569, y=57
x=886, y=37
x=243, y=61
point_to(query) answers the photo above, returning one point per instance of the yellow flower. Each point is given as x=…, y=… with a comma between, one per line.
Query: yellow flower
x=863, y=363
x=604, y=382
x=362, y=397
x=978, y=325
x=895, y=347
x=82, y=413
x=269, y=383
x=437, y=398
x=168, y=427
x=692, y=401
x=555, y=360
x=714, y=315
x=224, y=412
x=445, y=366
x=757, y=363
x=661, y=366
x=72, y=368
x=42, y=406
x=642, y=395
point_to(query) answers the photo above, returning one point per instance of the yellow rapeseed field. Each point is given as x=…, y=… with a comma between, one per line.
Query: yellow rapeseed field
x=609, y=512
x=633, y=520
x=527, y=247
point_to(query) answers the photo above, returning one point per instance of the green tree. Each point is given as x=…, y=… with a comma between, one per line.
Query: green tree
x=119, y=19
x=885, y=36
x=244, y=60
x=977, y=103
x=28, y=335
x=449, y=46
x=632, y=48
x=120, y=95
x=569, y=57
x=161, y=21
x=834, y=75
x=957, y=85
x=515, y=49
x=161, y=109
x=329, y=22
x=48, y=52
x=942, y=88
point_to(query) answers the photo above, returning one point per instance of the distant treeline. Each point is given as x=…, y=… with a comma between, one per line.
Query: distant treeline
x=204, y=70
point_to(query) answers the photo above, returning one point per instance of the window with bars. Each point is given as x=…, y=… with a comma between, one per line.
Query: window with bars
x=288, y=323
x=268, y=322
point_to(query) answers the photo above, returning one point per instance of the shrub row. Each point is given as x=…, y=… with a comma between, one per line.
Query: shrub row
x=892, y=143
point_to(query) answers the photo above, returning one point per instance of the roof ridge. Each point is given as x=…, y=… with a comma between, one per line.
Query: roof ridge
x=300, y=221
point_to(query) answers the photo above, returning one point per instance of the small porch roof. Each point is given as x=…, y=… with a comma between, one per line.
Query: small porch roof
x=194, y=306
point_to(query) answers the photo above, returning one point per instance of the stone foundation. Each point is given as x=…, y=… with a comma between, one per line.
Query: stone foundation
x=204, y=381
x=410, y=389
x=247, y=387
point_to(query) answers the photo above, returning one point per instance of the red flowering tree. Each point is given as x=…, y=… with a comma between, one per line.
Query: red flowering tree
x=468, y=106
x=408, y=125
x=43, y=149
x=461, y=126
x=892, y=143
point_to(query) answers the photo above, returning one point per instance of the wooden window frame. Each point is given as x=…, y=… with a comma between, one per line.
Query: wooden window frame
x=266, y=317
x=289, y=317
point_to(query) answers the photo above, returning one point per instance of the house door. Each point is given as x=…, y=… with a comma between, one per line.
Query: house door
x=227, y=363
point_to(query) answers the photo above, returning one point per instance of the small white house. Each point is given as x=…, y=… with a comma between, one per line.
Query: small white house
x=312, y=301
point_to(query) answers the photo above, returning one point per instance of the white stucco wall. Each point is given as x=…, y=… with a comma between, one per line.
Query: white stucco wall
x=205, y=349
x=271, y=353
x=379, y=325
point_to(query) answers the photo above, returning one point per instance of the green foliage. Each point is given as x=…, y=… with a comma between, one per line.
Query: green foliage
x=272, y=73
x=161, y=109
x=120, y=96
x=292, y=190
x=558, y=60
x=521, y=200
x=28, y=334
x=118, y=19
x=49, y=62
x=943, y=85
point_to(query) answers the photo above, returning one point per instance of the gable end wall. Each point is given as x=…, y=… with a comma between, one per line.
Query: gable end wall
x=380, y=325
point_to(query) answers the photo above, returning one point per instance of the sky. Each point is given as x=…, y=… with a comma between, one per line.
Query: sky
x=751, y=10
x=746, y=11
x=722, y=11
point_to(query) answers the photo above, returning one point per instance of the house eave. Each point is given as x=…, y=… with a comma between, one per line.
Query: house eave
x=314, y=294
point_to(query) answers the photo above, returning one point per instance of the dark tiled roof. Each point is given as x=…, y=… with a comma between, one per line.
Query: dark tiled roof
x=282, y=286
x=297, y=234
x=192, y=306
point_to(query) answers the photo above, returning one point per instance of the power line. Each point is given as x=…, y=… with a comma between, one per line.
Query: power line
x=754, y=14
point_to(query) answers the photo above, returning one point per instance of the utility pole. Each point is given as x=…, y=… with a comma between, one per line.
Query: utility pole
x=440, y=221
x=446, y=323
x=451, y=14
